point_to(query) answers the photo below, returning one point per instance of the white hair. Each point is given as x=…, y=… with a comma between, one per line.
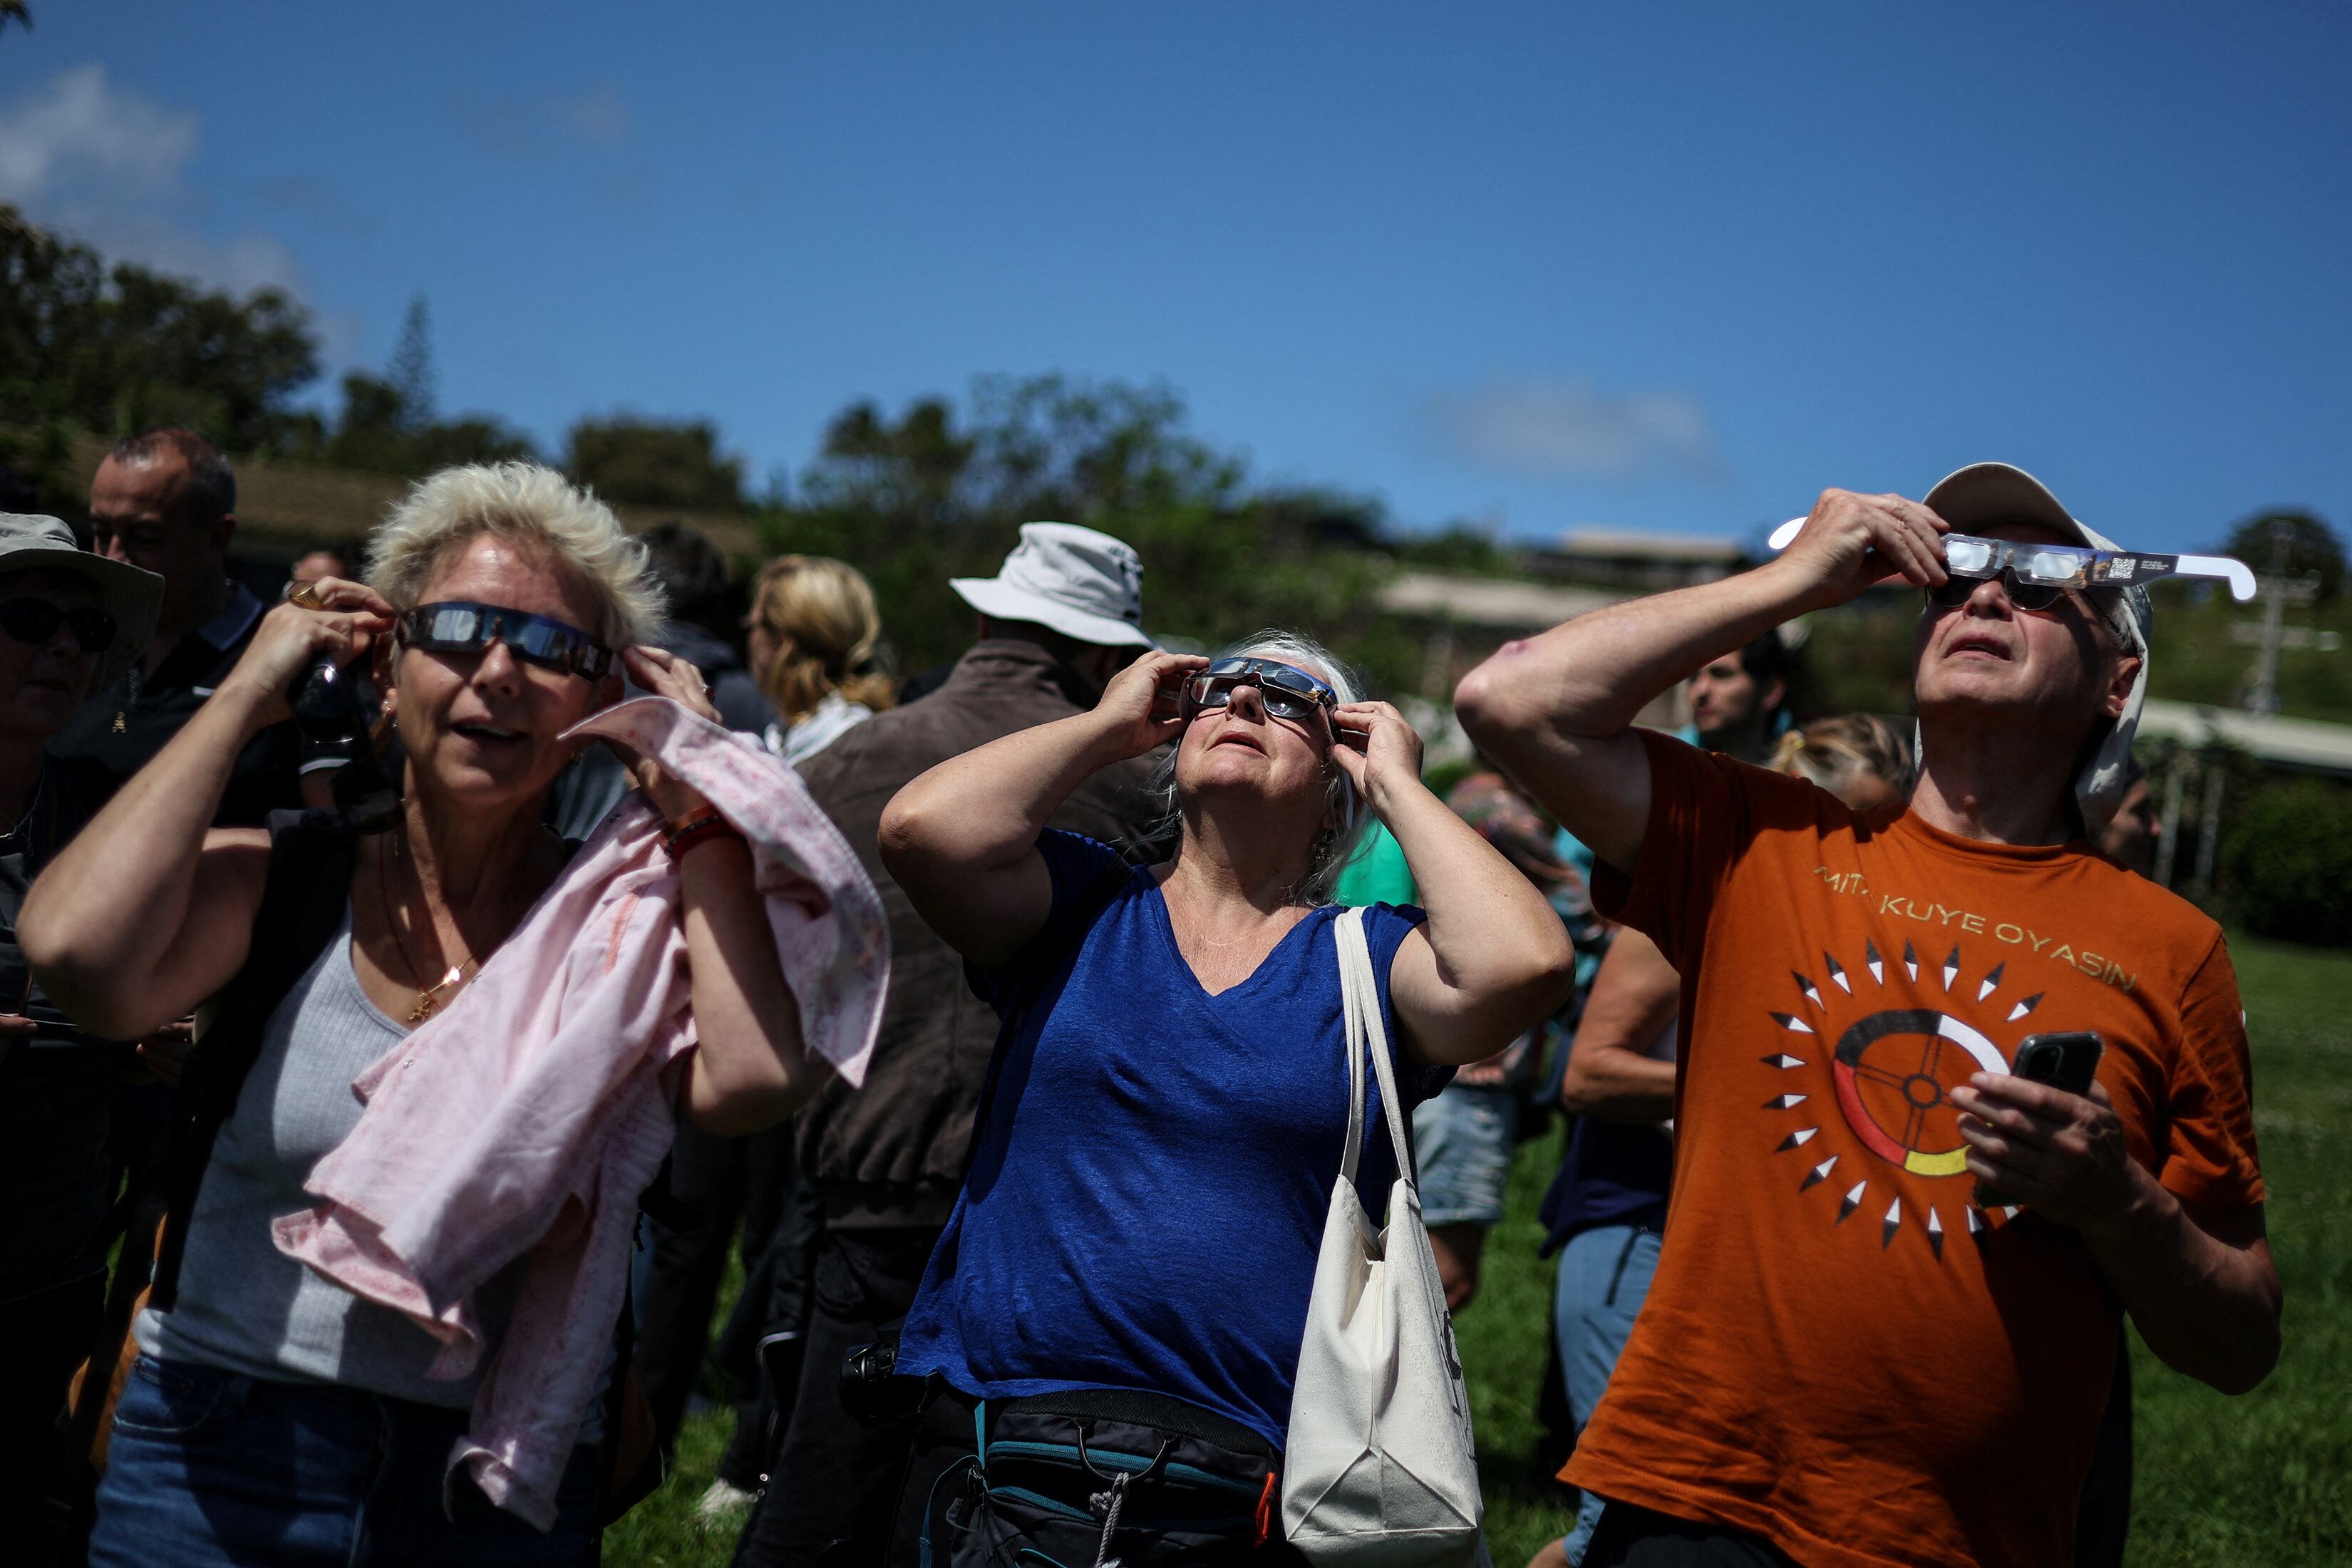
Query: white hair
x=531, y=503
x=1334, y=847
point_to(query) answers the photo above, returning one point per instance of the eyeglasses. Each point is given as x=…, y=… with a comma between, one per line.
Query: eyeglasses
x=35, y=621
x=458, y=626
x=1288, y=692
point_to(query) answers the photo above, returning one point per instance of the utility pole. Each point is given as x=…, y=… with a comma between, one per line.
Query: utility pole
x=2278, y=591
x=2208, y=828
x=2176, y=782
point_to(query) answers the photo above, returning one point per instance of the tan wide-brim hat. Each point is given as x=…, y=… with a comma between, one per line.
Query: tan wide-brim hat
x=29, y=542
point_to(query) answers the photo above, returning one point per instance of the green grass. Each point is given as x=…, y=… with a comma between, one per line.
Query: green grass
x=2267, y=1479
x=2260, y=1482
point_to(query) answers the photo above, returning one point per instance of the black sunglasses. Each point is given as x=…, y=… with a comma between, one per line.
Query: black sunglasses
x=35, y=621
x=460, y=625
x=1288, y=692
x=1954, y=591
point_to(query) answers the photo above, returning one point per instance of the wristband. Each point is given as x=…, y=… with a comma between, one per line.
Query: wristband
x=701, y=824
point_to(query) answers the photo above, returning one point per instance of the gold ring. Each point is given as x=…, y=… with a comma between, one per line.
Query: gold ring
x=306, y=597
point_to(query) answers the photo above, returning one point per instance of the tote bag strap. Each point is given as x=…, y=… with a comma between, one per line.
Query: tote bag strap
x=1359, y=1004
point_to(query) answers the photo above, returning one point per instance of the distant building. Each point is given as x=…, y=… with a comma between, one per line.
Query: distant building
x=1640, y=558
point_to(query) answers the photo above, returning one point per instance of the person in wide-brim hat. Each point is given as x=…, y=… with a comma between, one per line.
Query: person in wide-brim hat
x=1077, y=581
x=69, y=623
x=128, y=596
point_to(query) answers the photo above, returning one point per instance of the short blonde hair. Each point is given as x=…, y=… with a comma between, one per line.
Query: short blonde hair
x=529, y=503
x=1829, y=752
x=826, y=625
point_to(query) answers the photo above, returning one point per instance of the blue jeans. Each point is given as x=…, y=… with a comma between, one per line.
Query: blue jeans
x=209, y=1468
x=1463, y=1137
x=1605, y=1277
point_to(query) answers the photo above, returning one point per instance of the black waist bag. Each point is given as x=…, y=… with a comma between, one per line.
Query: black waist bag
x=1091, y=1477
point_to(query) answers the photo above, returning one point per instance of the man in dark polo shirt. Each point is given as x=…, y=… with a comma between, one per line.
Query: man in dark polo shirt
x=166, y=503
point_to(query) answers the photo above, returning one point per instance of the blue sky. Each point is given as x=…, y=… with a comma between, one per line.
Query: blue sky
x=1661, y=265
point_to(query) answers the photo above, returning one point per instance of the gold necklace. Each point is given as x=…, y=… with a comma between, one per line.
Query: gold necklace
x=428, y=997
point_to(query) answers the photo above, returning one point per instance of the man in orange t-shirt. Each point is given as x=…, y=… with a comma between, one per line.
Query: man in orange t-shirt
x=1853, y=1356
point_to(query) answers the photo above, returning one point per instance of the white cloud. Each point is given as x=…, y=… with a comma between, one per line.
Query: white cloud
x=105, y=166
x=1566, y=429
x=74, y=129
x=541, y=126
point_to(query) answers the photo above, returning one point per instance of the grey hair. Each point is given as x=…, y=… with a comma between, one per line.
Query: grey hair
x=1334, y=847
x=527, y=502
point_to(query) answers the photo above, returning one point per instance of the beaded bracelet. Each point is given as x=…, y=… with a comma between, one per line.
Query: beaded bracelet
x=701, y=824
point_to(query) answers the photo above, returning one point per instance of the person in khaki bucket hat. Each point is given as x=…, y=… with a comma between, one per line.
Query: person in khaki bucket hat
x=71, y=623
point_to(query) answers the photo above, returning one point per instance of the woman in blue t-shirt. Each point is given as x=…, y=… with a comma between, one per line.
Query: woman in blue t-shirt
x=1168, y=1102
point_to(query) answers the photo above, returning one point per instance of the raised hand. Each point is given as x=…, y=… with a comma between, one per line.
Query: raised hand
x=341, y=619
x=1376, y=749
x=1850, y=541
x=1139, y=709
x=664, y=674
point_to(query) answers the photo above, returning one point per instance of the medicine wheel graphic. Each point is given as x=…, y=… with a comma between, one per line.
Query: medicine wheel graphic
x=1892, y=1070
x=1893, y=1073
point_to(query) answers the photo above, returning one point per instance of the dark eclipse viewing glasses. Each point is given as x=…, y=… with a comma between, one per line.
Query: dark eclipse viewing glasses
x=35, y=621
x=1288, y=692
x=459, y=625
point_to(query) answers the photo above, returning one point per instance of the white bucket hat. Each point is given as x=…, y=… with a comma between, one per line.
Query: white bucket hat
x=1984, y=494
x=31, y=542
x=1075, y=581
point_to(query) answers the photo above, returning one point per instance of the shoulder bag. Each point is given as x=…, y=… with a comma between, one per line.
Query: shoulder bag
x=1380, y=1468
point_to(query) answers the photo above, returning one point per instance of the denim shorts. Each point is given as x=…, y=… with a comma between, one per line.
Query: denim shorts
x=1463, y=1139
x=208, y=1469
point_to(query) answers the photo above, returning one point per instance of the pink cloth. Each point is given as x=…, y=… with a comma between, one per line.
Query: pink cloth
x=526, y=1117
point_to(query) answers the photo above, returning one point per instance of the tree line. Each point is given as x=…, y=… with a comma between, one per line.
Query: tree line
x=936, y=490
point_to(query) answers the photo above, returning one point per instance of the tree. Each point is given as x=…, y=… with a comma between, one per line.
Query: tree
x=916, y=500
x=378, y=432
x=411, y=369
x=388, y=426
x=114, y=351
x=2288, y=859
x=914, y=469
x=2311, y=546
x=652, y=462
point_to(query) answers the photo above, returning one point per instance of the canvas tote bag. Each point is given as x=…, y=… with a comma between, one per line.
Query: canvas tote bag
x=1379, y=1468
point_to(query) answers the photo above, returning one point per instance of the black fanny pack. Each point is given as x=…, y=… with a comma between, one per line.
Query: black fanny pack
x=1095, y=1476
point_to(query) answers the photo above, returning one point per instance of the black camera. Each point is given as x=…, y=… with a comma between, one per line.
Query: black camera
x=334, y=723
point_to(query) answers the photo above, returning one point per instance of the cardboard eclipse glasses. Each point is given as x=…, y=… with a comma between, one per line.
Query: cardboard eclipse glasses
x=2057, y=567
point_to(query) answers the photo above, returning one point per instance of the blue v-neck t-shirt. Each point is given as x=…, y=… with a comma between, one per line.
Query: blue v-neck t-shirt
x=1149, y=1191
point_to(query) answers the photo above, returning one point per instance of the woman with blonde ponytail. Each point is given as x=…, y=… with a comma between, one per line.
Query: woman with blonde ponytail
x=812, y=632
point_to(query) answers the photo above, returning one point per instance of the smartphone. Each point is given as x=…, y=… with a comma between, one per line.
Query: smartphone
x=2067, y=1061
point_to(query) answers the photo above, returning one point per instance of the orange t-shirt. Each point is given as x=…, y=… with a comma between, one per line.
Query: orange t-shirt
x=1841, y=1352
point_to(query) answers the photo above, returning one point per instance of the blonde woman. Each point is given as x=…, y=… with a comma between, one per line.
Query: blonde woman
x=812, y=632
x=1857, y=757
x=273, y=1414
